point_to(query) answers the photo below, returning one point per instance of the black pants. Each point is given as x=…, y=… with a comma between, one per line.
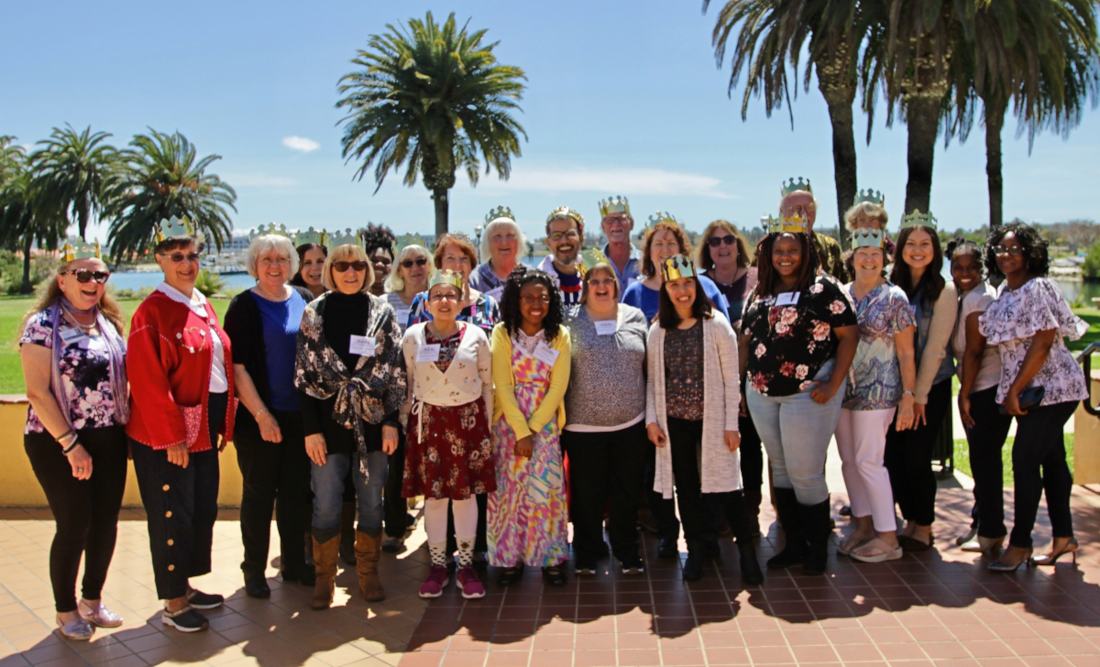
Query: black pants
x=181, y=505
x=605, y=469
x=752, y=466
x=275, y=476
x=84, y=511
x=1038, y=465
x=395, y=508
x=699, y=511
x=986, y=440
x=663, y=510
x=908, y=459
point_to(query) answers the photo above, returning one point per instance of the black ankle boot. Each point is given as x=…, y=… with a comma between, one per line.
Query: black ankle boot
x=750, y=566
x=794, y=542
x=693, y=566
x=816, y=521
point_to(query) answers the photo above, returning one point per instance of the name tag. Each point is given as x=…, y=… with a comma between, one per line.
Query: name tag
x=428, y=352
x=403, y=316
x=546, y=354
x=68, y=335
x=606, y=327
x=786, y=299
x=362, y=345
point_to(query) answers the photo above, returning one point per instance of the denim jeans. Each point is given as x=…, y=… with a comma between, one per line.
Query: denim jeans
x=327, y=482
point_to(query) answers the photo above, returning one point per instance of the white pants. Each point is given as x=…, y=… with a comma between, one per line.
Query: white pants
x=861, y=439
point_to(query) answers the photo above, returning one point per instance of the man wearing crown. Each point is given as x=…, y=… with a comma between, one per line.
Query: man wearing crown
x=565, y=238
x=617, y=223
x=798, y=201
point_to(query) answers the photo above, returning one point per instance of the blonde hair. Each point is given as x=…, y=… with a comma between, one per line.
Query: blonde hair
x=868, y=211
x=394, y=282
x=50, y=293
x=349, y=252
x=604, y=267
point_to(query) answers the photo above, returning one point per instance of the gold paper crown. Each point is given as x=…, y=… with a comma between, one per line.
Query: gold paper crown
x=869, y=196
x=566, y=212
x=614, y=204
x=790, y=185
x=499, y=212
x=795, y=224
x=446, y=277
x=917, y=219
x=81, y=250
x=174, y=228
x=676, y=267
x=662, y=217
x=867, y=238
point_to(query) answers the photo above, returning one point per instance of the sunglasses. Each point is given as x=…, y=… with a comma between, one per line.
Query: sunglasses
x=357, y=265
x=178, y=257
x=85, y=276
x=1008, y=250
x=716, y=241
x=419, y=261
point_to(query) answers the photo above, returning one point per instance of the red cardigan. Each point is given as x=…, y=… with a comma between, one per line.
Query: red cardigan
x=168, y=358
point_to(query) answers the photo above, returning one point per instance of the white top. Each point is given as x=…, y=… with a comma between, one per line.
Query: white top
x=402, y=309
x=989, y=370
x=468, y=377
x=219, y=383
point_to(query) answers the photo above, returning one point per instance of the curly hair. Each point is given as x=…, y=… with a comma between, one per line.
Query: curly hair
x=960, y=246
x=648, y=268
x=1035, y=248
x=703, y=259
x=509, y=301
x=378, y=236
x=768, y=280
x=932, y=281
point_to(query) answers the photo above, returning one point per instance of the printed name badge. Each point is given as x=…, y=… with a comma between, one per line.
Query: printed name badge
x=545, y=354
x=428, y=352
x=606, y=327
x=362, y=345
x=403, y=316
x=786, y=299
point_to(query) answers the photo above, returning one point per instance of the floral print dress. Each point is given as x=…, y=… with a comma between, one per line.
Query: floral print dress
x=527, y=512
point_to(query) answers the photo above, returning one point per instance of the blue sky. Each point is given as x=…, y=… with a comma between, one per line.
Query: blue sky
x=622, y=97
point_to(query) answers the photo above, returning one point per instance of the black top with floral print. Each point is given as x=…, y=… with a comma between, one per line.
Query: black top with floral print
x=790, y=339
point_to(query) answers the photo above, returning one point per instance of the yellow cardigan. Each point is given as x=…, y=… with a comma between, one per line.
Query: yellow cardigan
x=504, y=384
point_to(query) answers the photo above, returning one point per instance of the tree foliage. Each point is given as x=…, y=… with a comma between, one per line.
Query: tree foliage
x=75, y=174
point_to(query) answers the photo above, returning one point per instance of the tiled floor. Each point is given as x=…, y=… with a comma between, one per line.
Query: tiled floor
x=938, y=608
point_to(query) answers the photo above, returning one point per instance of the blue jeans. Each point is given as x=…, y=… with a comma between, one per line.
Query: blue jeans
x=796, y=432
x=327, y=482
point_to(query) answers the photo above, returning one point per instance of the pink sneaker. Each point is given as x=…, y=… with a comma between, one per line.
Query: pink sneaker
x=470, y=584
x=435, y=583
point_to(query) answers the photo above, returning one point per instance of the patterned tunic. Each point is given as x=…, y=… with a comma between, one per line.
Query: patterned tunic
x=874, y=382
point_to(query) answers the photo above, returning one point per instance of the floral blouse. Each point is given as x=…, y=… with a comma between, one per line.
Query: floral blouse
x=1014, y=318
x=789, y=341
x=874, y=383
x=85, y=373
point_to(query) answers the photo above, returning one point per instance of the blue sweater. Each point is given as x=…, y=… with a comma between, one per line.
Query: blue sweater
x=646, y=299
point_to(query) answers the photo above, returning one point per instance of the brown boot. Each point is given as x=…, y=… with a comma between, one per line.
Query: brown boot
x=324, y=563
x=367, y=550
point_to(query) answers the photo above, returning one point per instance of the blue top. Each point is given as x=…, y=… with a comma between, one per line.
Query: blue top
x=648, y=300
x=280, y=321
x=630, y=272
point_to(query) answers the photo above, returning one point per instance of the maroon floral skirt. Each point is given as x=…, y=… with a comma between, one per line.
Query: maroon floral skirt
x=449, y=452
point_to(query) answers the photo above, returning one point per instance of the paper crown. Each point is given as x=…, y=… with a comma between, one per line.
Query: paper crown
x=677, y=266
x=870, y=196
x=175, y=228
x=614, y=204
x=446, y=277
x=917, y=219
x=566, y=212
x=499, y=212
x=70, y=253
x=867, y=238
x=794, y=224
x=791, y=185
x=272, y=228
x=309, y=235
x=662, y=217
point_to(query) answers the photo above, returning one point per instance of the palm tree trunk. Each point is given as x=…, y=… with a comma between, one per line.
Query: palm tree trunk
x=844, y=162
x=27, y=287
x=994, y=174
x=442, y=211
x=922, y=116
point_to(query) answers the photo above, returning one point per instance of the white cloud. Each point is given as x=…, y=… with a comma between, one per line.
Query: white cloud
x=625, y=179
x=259, y=180
x=301, y=144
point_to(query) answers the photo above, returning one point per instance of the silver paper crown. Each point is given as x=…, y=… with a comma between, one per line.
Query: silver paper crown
x=661, y=216
x=917, y=219
x=869, y=196
x=614, y=204
x=499, y=212
x=175, y=228
x=791, y=185
x=867, y=238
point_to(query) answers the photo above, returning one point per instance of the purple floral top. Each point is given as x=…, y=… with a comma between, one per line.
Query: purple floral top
x=791, y=337
x=1013, y=319
x=874, y=382
x=85, y=373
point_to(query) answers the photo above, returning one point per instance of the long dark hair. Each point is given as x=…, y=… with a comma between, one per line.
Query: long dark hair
x=768, y=280
x=509, y=301
x=302, y=250
x=1035, y=248
x=932, y=281
x=667, y=316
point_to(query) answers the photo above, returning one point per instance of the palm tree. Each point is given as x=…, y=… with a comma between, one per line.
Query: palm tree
x=163, y=179
x=22, y=221
x=428, y=99
x=75, y=171
x=11, y=159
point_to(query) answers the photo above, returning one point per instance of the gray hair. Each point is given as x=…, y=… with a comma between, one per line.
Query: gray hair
x=521, y=245
x=394, y=282
x=265, y=243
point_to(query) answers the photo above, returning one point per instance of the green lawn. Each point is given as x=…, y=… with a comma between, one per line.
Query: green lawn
x=962, y=457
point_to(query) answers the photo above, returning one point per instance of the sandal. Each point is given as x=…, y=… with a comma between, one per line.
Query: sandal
x=876, y=551
x=852, y=542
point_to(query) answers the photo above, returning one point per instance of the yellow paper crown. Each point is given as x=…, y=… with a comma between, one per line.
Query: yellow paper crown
x=676, y=267
x=794, y=224
x=614, y=204
x=174, y=228
x=70, y=253
x=446, y=277
x=566, y=212
x=662, y=217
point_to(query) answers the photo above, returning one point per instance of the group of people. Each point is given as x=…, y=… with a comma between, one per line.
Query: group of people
x=518, y=400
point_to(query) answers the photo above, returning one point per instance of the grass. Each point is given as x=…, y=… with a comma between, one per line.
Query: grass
x=962, y=457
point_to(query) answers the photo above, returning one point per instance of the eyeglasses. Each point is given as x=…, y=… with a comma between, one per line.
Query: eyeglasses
x=571, y=234
x=535, y=300
x=85, y=276
x=1014, y=250
x=716, y=241
x=357, y=265
x=449, y=296
x=178, y=257
x=419, y=261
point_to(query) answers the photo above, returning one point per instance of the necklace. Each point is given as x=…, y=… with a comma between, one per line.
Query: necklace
x=72, y=313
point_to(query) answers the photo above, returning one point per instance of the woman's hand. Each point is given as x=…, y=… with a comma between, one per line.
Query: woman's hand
x=918, y=416
x=823, y=392
x=1012, y=403
x=656, y=435
x=733, y=440
x=964, y=412
x=904, y=419
x=389, y=439
x=316, y=449
x=269, y=427
x=179, y=455
x=525, y=446
x=81, y=462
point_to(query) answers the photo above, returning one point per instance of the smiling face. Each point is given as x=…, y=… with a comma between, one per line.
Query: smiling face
x=272, y=270
x=349, y=274
x=83, y=295
x=1009, y=254
x=563, y=238
x=412, y=268
x=787, y=256
x=600, y=289
x=722, y=246
x=534, y=303
x=455, y=259
x=681, y=292
x=616, y=227
x=443, y=302
x=662, y=246
x=180, y=265
x=382, y=261
x=918, y=251
x=868, y=262
x=313, y=262
x=504, y=246
x=966, y=271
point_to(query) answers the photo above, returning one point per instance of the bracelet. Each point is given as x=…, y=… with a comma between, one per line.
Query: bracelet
x=907, y=392
x=64, y=436
x=70, y=448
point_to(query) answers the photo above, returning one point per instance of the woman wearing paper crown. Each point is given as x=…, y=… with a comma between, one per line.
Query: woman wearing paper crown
x=348, y=368
x=692, y=400
x=799, y=337
x=73, y=357
x=450, y=454
x=182, y=409
x=879, y=392
x=935, y=304
x=502, y=245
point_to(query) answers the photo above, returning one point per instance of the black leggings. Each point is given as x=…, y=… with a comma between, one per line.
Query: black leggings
x=908, y=459
x=986, y=440
x=85, y=511
x=1038, y=465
